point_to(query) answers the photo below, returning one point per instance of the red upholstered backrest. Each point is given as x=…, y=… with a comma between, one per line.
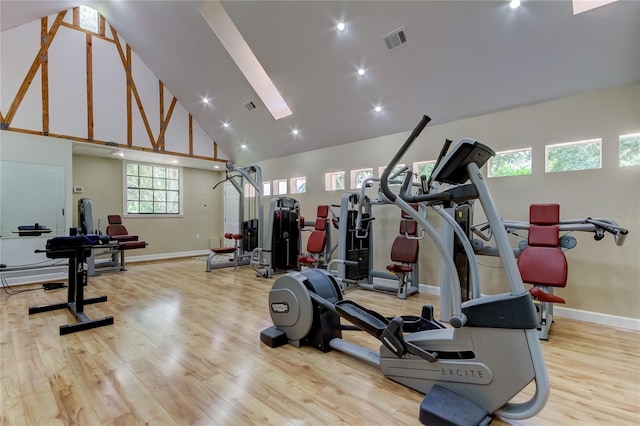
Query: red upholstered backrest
x=323, y=211
x=404, y=250
x=405, y=215
x=409, y=227
x=544, y=214
x=114, y=219
x=113, y=230
x=545, y=236
x=542, y=262
x=321, y=224
x=316, y=242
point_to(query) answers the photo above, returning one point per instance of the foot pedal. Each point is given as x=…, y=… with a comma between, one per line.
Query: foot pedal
x=273, y=337
x=441, y=407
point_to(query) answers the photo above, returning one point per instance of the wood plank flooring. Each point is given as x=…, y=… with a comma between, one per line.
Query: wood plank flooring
x=185, y=349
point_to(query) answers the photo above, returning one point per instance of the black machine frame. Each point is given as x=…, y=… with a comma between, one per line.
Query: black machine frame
x=77, y=255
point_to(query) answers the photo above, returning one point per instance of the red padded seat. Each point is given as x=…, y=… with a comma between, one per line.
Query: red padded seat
x=118, y=232
x=228, y=250
x=539, y=294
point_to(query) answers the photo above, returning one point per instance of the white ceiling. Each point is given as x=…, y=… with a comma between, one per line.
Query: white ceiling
x=462, y=59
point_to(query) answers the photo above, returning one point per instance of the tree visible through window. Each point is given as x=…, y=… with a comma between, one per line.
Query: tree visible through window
x=152, y=189
x=334, y=181
x=510, y=163
x=629, y=150
x=570, y=156
x=358, y=177
x=423, y=168
x=298, y=185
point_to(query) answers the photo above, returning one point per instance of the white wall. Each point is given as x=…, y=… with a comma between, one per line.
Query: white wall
x=38, y=150
x=602, y=277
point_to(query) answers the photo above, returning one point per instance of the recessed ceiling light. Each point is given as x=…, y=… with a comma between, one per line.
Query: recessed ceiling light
x=341, y=26
x=216, y=167
x=243, y=146
x=174, y=161
x=226, y=125
x=205, y=100
x=378, y=108
x=361, y=72
x=295, y=131
x=514, y=4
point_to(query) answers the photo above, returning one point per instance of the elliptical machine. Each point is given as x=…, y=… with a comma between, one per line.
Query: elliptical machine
x=468, y=371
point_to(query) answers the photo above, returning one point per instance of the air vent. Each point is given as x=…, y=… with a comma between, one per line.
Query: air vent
x=249, y=105
x=395, y=38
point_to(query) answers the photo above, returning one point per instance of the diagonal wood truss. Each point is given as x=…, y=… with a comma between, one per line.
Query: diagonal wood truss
x=40, y=62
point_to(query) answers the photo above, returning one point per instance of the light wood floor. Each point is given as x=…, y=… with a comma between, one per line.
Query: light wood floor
x=185, y=349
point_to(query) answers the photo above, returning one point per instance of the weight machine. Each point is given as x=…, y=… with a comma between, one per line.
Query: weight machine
x=541, y=258
x=283, y=239
x=247, y=181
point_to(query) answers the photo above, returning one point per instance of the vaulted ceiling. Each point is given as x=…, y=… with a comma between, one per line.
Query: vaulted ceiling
x=461, y=59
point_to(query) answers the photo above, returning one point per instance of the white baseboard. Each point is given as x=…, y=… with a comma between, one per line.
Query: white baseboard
x=163, y=256
x=576, y=314
x=30, y=276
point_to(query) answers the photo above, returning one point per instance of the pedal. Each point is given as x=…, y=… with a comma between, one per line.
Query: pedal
x=441, y=407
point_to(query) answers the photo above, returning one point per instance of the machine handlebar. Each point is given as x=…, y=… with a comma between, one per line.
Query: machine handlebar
x=384, y=179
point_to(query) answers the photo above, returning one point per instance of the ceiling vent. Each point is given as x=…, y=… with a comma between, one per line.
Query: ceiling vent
x=395, y=38
x=249, y=105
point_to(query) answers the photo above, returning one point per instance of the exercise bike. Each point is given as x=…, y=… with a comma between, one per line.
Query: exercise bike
x=469, y=370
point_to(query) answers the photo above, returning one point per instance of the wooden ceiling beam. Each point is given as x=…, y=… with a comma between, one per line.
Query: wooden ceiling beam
x=132, y=85
x=34, y=68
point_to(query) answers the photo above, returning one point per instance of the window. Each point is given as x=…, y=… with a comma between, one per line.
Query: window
x=153, y=189
x=298, y=185
x=629, y=154
x=280, y=187
x=358, y=177
x=581, y=155
x=396, y=169
x=510, y=163
x=89, y=19
x=334, y=181
x=266, y=188
x=424, y=168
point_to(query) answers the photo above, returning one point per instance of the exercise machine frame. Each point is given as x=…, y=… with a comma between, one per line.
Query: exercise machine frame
x=489, y=353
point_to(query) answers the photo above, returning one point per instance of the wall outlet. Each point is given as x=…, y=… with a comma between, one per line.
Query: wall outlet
x=78, y=190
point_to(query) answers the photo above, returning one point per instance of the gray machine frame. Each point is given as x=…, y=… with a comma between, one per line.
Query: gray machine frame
x=498, y=349
x=116, y=260
x=236, y=176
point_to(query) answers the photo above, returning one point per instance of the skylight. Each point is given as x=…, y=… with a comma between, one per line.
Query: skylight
x=580, y=6
x=232, y=40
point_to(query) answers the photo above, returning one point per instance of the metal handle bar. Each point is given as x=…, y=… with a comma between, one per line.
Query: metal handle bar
x=396, y=158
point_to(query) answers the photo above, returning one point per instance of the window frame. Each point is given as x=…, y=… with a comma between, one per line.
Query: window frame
x=293, y=187
x=97, y=18
x=416, y=169
x=125, y=188
x=511, y=151
x=566, y=144
x=266, y=188
x=620, y=139
x=352, y=177
x=275, y=185
x=330, y=181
